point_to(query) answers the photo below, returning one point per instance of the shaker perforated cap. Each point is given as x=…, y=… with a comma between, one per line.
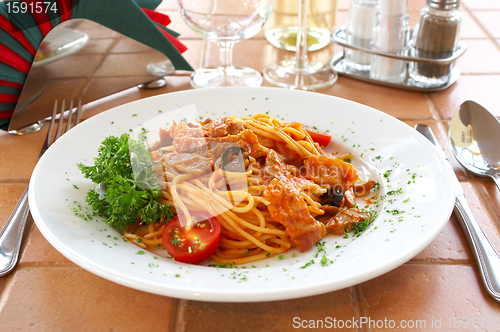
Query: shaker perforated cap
x=443, y=4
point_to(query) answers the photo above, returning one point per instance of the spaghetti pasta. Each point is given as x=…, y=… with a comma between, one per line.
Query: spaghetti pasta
x=281, y=197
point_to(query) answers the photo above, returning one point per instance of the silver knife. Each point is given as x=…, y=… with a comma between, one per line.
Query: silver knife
x=487, y=258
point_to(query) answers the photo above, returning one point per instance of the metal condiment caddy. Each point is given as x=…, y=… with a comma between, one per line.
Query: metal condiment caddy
x=338, y=64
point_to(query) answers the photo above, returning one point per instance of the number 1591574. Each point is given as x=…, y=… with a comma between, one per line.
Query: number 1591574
x=18, y=7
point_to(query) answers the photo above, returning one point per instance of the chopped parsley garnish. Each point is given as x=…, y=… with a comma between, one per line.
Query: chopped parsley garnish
x=311, y=262
x=395, y=211
x=223, y=266
x=325, y=261
x=395, y=192
x=360, y=227
x=321, y=246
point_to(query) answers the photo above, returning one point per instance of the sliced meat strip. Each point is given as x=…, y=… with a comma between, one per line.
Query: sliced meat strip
x=289, y=209
x=218, y=148
x=192, y=145
x=222, y=127
x=275, y=167
x=187, y=139
x=189, y=163
x=333, y=172
x=182, y=129
x=363, y=189
x=165, y=140
x=246, y=140
x=346, y=219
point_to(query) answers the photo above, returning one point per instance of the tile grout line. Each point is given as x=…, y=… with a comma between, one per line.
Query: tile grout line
x=15, y=182
x=174, y=320
x=444, y=262
x=432, y=108
x=478, y=22
x=438, y=118
x=484, y=201
x=48, y=266
x=355, y=303
x=96, y=67
x=5, y=291
x=28, y=231
x=363, y=310
x=179, y=308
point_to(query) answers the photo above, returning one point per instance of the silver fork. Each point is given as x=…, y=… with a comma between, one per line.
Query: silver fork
x=12, y=234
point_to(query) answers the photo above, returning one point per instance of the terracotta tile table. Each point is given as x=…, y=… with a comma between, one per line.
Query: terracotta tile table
x=432, y=291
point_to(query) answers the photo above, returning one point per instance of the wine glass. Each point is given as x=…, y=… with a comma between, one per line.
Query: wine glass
x=225, y=22
x=300, y=73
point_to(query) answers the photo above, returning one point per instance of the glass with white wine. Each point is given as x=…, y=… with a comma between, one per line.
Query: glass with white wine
x=300, y=73
x=282, y=26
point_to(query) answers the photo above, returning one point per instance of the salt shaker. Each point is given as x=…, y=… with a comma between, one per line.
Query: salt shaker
x=391, y=36
x=361, y=21
x=436, y=36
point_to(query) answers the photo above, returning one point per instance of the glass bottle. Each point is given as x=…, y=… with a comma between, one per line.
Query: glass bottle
x=436, y=36
x=361, y=21
x=391, y=36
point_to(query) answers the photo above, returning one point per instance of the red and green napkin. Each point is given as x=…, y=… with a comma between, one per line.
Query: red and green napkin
x=22, y=31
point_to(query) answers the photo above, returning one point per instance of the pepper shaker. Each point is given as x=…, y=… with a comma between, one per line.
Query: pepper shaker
x=436, y=36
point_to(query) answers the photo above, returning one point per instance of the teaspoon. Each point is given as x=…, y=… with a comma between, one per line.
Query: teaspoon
x=475, y=140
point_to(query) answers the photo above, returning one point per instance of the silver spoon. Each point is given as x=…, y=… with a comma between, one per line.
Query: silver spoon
x=475, y=140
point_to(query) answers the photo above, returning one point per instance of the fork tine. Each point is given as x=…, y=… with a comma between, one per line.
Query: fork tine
x=60, y=123
x=79, y=112
x=51, y=126
x=61, y=118
x=70, y=115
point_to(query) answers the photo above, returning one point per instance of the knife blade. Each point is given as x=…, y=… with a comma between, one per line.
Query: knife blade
x=486, y=257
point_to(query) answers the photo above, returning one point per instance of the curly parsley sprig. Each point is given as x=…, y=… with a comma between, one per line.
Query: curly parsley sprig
x=129, y=195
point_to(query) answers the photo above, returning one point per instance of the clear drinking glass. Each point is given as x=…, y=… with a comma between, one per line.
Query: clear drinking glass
x=282, y=26
x=225, y=22
x=300, y=73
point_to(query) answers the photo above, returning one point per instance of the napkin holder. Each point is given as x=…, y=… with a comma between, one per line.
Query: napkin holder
x=338, y=64
x=22, y=32
x=99, y=68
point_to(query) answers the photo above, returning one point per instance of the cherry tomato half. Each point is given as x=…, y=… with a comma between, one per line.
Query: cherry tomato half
x=193, y=246
x=320, y=137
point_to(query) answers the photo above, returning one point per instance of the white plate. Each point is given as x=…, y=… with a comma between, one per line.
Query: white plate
x=383, y=142
x=63, y=42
